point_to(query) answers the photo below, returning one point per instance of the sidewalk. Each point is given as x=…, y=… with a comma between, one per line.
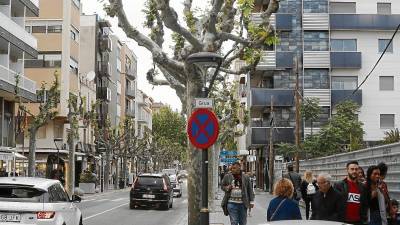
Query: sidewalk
x=258, y=213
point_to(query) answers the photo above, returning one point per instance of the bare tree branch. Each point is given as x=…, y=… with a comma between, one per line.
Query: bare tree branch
x=273, y=7
x=229, y=36
x=212, y=20
x=170, y=18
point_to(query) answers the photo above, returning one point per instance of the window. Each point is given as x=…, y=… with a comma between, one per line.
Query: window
x=342, y=7
x=344, y=83
x=41, y=133
x=74, y=34
x=48, y=60
x=58, y=130
x=386, y=83
x=384, y=8
x=382, y=45
x=344, y=45
x=54, y=29
x=316, y=78
x=387, y=120
x=118, y=98
x=38, y=29
x=73, y=65
x=316, y=41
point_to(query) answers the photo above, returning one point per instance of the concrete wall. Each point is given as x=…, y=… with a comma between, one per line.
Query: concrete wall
x=336, y=164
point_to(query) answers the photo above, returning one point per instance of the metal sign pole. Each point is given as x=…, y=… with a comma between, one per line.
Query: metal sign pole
x=204, y=213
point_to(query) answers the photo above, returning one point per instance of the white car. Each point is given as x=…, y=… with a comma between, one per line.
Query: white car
x=38, y=201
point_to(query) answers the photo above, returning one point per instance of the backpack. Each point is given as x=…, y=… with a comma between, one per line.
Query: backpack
x=311, y=189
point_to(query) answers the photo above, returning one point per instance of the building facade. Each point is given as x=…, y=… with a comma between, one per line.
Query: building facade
x=336, y=43
x=144, y=113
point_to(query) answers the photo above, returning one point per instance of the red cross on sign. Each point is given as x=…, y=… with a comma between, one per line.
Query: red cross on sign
x=202, y=128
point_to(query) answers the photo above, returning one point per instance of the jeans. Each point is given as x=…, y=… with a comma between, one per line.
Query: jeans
x=308, y=207
x=375, y=218
x=237, y=213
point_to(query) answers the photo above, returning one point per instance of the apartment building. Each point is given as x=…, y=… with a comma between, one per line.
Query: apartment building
x=128, y=80
x=16, y=45
x=144, y=113
x=57, y=30
x=336, y=43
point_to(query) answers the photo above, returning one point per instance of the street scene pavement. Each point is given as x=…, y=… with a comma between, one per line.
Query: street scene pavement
x=112, y=208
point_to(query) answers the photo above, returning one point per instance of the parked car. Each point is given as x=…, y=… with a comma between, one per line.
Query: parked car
x=176, y=185
x=303, y=222
x=37, y=201
x=151, y=190
x=169, y=172
x=182, y=174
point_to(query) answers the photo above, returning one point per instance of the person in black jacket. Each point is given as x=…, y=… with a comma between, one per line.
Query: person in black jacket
x=327, y=203
x=351, y=190
x=308, y=189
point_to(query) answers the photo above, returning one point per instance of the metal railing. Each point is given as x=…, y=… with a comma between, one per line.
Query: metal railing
x=8, y=76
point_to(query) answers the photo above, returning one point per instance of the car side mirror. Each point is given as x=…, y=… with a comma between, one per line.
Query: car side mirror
x=76, y=198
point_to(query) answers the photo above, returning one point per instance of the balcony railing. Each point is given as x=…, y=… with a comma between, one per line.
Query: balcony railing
x=346, y=60
x=341, y=95
x=267, y=61
x=364, y=22
x=24, y=82
x=261, y=135
x=130, y=92
x=262, y=97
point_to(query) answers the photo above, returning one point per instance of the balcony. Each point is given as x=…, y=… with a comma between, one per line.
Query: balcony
x=284, y=59
x=316, y=59
x=14, y=33
x=346, y=60
x=130, y=112
x=261, y=97
x=267, y=61
x=8, y=82
x=260, y=135
x=32, y=7
x=340, y=95
x=364, y=22
x=130, y=73
x=130, y=92
x=105, y=69
x=323, y=95
x=281, y=21
x=316, y=21
x=105, y=44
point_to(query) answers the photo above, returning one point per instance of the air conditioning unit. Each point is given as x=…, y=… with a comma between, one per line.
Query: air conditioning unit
x=108, y=94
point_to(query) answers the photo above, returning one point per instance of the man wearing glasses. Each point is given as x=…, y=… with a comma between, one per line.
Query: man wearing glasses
x=327, y=203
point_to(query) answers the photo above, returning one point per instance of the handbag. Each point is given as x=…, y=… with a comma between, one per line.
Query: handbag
x=276, y=210
x=297, y=192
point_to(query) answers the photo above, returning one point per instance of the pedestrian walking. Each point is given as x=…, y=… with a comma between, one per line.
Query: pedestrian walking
x=350, y=189
x=239, y=195
x=308, y=189
x=327, y=203
x=283, y=207
x=373, y=199
x=383, y=168
x=394, y=215
x=295, y=178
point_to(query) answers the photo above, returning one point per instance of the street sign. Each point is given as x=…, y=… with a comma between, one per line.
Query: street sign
x=203, y=103
x=202, y=128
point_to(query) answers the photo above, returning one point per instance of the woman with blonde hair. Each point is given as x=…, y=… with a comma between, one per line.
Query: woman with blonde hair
x=282, y=207
x=308, y=189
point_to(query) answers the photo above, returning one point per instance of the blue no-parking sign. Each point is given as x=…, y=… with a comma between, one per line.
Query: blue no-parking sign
x=202, y=128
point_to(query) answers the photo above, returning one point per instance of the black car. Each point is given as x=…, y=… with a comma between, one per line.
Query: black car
x=151, y=190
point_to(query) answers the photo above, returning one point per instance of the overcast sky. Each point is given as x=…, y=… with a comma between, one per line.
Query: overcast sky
x=133, y=9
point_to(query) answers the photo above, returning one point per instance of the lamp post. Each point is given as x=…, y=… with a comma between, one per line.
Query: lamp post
x=203, y=61
x=101, y=149
x=58, y=142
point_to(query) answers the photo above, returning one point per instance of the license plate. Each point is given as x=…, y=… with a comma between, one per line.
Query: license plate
x=10, y=217
x=149, y=196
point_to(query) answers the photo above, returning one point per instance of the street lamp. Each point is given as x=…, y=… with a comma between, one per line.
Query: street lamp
x=101, y=149
x=58, y=142
x=203, y=61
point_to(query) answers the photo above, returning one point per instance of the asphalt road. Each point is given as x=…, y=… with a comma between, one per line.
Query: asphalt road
x=113, y=209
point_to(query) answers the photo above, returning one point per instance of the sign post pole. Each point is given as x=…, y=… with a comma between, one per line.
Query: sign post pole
x=203, y=131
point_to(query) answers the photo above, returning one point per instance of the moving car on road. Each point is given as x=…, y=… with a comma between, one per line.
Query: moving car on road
x=151, y=190
x=176, y=186
x=37, y=201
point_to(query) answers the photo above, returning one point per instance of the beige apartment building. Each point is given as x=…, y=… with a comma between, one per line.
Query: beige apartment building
x=57, y=30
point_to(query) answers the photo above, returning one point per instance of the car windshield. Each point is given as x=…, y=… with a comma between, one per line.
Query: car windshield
x=11, y=193
x=150, y=181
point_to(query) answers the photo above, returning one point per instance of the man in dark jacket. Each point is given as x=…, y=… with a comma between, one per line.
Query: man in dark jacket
x=296, y=181
x=327, y=203
x=239, y=195
x=350, y=189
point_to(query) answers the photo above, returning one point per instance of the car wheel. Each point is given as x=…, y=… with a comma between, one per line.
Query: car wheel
x=131, y=205
x=164, y=206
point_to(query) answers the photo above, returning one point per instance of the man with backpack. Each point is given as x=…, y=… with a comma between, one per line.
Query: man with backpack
x=296, y=181
x=350, y=189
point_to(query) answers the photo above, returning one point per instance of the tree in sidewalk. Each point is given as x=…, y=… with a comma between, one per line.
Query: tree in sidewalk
x=310, y=110
x=49, y=98
x=208, y=31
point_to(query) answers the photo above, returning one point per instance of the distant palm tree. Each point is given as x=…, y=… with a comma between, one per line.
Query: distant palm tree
x=392, y=136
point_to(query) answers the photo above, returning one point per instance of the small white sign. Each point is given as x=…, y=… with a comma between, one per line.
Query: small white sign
x=203, y=103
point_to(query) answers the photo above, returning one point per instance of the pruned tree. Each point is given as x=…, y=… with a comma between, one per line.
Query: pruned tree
x=49, y=97
x=222, y=22
x=310, y=110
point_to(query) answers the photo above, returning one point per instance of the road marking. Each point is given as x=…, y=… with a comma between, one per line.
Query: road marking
x=108, y=210
x=118, y=199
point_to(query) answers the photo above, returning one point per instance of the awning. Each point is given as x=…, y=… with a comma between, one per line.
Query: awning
x=19, y=156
